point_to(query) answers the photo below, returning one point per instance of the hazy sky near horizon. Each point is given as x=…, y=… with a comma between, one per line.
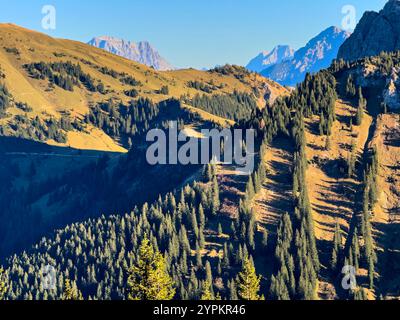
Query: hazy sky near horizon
x=190, y=33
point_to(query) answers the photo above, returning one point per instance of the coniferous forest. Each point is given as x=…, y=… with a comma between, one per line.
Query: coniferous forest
x=101, y=257
x=85, y=215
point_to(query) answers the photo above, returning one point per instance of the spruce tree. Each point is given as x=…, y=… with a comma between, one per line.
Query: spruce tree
x=71, y=291
x=207, y=291
x=305, y=253
x=208, y=173
x=194, y=224
x=3, y=284
x=350, y=87
x=360, y=294
x=322, y=125
x=148, y=278
x=233, y=295
x=360, y=108
x=202, y=217
x=264, y=241
x=209, y=277
x=371, y=273
x=225, y=259
x=220, y=232
x=250, y=192
x=216, y=203
x=361, y=101
x=248, y=282
x=337, y=244
x=199, y=262
x=328, y=144
x=359, y=115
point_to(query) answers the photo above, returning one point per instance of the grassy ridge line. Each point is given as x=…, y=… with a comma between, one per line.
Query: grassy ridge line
x=20, y=46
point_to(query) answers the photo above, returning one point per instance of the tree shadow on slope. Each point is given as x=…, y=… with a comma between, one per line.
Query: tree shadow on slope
x=334, y=168
x=393, y=139
x=388, y=258
x=279, y=185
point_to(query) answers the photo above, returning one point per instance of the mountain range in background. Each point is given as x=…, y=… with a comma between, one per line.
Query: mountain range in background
x=269, y=58
x=316, y=55
x=141, y=52
x=376, y=32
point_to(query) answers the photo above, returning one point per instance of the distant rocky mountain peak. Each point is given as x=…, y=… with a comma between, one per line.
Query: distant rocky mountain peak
x=317, y=54
x=268, y=58
x=141, y=52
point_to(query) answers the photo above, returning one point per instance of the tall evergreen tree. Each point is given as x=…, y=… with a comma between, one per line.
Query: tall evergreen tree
x=216, y=202
x=328, y=144
x=350, y=87
x=148, y=278
x=206, y=291
x=359, y=115
x=71, y=291
x=233, y=295
x=337, y=244
x=360, y=108
x=3, y=284
x=248, y=283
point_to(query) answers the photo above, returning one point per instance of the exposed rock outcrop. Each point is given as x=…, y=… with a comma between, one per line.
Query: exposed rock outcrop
x=391, y=94
x=318, y=54
x=141, y=52
x=266, y=59
x=376, y=32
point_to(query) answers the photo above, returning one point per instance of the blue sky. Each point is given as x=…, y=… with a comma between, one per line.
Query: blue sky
x=197, y=33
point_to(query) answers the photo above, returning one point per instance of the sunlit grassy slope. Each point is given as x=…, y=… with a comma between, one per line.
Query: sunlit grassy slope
x=36, y=47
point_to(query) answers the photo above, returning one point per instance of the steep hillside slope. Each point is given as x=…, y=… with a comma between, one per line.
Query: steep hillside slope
x=275, y=197
x=387, y=212
x=351, y=177
x=69, y=112
x=323, y=196
x=332, y=192
x=61, y=81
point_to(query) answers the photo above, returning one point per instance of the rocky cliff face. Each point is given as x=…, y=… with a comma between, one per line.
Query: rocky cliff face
x=266, y=59
x=318, y=54
x=391, y=95
x=141, y=52
x=376, y=32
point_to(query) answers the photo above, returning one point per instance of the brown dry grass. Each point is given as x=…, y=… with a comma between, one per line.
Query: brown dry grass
x=331, y=193
x=34, y=47
x=386, y=219
x=276, y=194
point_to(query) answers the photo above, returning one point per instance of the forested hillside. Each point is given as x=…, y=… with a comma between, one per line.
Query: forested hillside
x=61, y=83
x=206, y=250
x=72, y=132
x=79, y=195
